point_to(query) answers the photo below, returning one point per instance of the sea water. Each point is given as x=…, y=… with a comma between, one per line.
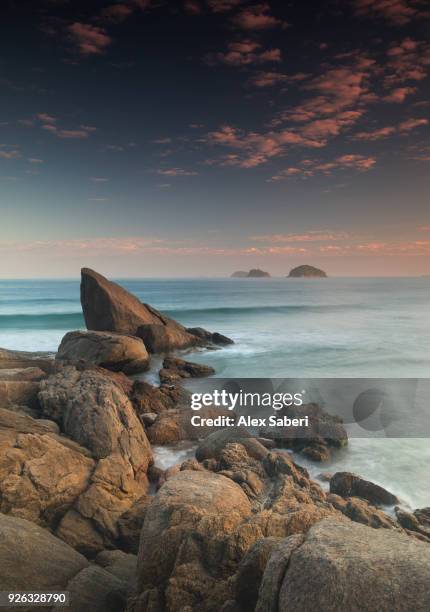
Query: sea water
x=320, y=328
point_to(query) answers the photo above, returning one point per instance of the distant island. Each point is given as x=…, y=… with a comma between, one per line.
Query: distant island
x=254, y=273
x=307, y=272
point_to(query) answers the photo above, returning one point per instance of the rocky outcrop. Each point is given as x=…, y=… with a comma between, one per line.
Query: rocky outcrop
x=239, y=274
x=209, y=337
x=316, y=440
x=307, y=272
x=24, y=359
x=108, y=350
x=186, y=553
x=257, y=273
x=42, y=474
x=347, y=484
x=93, y=410
x=174, y=367
x=109, y=307
x=347, y=566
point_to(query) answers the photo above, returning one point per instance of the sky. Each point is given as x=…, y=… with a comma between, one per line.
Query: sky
x=195, y=138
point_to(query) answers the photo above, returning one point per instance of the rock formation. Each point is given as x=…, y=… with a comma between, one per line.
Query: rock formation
x=306, y=272
x=106, y=349
x=239, y=274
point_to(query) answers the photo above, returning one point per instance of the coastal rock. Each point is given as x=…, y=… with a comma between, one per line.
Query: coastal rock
x=31, y=558
x=347, y=566
x=22, y=374
x=315, y=440
x=24, y=359
x=347, y=484
x=306, y=272
x=206, y=336
x=19, y=393
x=148, y=399
x=95, y=412
x=239, y=274
x=257, y=273
x=212, y=446
x=41, y=474
x=186, y=369
x=186, y=555
x=109, y=307
x=108, y=350
x=97, y=590
x=175, y=425
x=360, y=511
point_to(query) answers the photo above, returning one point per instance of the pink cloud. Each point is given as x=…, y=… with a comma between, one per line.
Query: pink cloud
x=222, y=6
x=176, y=172
x=411, y=124
x=35, y=160
x=244, y=53
x=9, y=153
x=192, y=7
x=268, y=79
x=399, y=94
x=45, y=118
x=257, y=17
x=375, y=134
x=312, y=236
x=116, y=12
x=396, y=12
x=90, y=40
x=309, y=168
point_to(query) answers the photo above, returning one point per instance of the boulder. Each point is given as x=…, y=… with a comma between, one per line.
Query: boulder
x=31, y=558
x=185, y=554
x=212, y=446
x=109, y=307
x=22, y=374
x=97, y=590
x=148, y=399
x=347, y=484
x=346, y=566
x=41, y=474
x=257, y=273
x=106, y=349
x=93, y=410
x=209, y=337
x=360, y=511
x=19, y=393
x=316, y=440
x=186, y=369
x=306, y=272
x=175, y=425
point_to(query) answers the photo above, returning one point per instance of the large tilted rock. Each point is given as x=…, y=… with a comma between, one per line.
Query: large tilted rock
x=42, y=474
x=109, y=307
x=106, y=349
x=93, y=410
x=340, y=566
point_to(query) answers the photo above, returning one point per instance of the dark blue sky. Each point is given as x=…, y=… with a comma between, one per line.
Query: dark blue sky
x=198, y=137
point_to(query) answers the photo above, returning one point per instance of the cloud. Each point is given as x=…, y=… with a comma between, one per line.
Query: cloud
x=45, y=118
x=116, y=13
x=165, y=140
x=311, y=236
x=223, y=6
x=176, y=172
x=89, y=39
x=7, y=152
x=268, y=79
x=35, y=160
x=244, y=53
x=396, y=12
x=375, y=134
x=399, y=94
x=192, y=7
x=309, y=168
x=257, y=17
x=411, y=124
x=99, y=179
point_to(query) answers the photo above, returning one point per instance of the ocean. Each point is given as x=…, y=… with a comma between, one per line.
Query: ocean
x=296, y=328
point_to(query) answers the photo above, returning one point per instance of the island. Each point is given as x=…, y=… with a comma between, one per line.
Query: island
x=254, y=273
x=307, y=272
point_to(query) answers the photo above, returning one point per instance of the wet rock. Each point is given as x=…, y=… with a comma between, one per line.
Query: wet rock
x=108, y=350
x=360, y=511
x=185, y=369
x=148, y=418
x=347, y=566
x=347, y=484
x=109, y=307
x=315, y=440
x=206, y=336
